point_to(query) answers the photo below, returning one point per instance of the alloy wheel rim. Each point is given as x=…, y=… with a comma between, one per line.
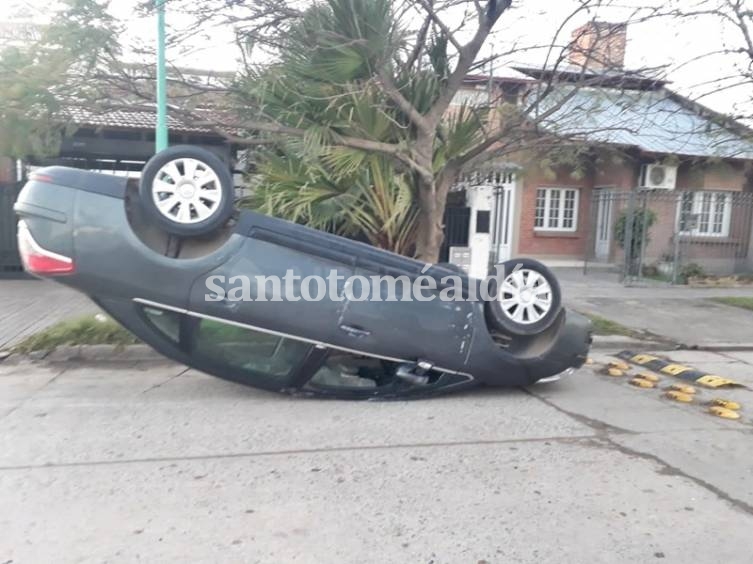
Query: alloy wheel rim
x=525, y=296
x=187, y=191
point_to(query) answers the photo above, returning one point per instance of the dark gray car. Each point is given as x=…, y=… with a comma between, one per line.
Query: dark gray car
x=162, y=260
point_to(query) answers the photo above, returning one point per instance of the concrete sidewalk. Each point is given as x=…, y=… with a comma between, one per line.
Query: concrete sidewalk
x=684, y=315
x=28, y=306
x=105, y=464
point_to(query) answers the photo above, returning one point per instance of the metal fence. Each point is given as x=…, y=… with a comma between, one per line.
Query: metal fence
x=10, y=262
x=671, y=236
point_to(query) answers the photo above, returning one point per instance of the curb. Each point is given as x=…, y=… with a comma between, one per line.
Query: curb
x=602, y=342
x=720, y=347
x=144, y=353
x=91, y=353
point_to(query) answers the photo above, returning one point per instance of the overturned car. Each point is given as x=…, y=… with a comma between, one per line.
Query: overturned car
x=173, y=261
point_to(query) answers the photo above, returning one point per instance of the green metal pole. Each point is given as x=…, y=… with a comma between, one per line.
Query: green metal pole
x=161, y=130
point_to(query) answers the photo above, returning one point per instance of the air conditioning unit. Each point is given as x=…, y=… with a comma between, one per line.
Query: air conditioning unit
x=658, y=177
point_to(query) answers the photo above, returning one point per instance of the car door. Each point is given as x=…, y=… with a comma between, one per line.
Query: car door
x=256, y=292
x=397, y=325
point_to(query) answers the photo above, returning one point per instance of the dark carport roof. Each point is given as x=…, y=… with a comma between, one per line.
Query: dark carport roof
x=137, y=118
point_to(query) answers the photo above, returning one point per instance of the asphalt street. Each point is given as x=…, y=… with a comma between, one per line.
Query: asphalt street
x=124, y=463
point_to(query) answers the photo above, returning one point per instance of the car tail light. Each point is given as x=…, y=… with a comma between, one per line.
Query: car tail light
x=35, y=176
x=40, y=261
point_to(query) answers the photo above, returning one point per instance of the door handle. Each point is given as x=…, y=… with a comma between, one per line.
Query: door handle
x=224, y=301
x=355, y=331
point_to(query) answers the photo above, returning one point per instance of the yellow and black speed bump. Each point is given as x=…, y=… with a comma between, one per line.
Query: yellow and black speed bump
x=639, y=382
x=678, y=370
x=679, y=396
x=649, y=376
x=724, y=412
x=682, y=388
x=726, y=404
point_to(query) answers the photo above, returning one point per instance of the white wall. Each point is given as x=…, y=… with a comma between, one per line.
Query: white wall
x=482, y=198
x=479, y=198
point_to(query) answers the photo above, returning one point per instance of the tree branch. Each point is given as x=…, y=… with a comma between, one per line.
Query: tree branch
x=390, y=149
x=388, y=87
x=466, y=56
x=440, y=24
x=420, y=41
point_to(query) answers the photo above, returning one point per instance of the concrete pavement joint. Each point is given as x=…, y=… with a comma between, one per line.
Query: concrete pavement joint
x=733, y=358
x=31, y=395
x=558, y=439
x=600, y=427
x=602, y=439
x=166, y=381
x=292, y=452
x=670, y=470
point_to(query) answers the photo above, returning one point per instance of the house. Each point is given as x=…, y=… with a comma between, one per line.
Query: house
x=631, y=148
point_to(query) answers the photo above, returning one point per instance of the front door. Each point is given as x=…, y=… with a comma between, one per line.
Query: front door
x=502, y=234
x=492, y=204
x=603, y=242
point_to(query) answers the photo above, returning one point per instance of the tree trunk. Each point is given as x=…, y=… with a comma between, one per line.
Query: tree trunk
x=432, y=199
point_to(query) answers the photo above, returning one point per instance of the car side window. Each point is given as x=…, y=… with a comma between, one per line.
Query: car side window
x=247, y=349
x=226, y=345
x=167, y=322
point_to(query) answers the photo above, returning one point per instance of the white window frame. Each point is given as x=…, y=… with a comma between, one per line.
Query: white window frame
x=560, y=209
x=706, y=229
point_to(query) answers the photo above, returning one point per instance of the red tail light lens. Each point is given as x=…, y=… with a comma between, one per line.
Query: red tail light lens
x=40, y=261
x=41, y=177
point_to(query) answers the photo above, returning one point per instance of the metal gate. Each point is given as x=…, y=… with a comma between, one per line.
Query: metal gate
x=10, y=262
x=456, y=225
x=671, y=236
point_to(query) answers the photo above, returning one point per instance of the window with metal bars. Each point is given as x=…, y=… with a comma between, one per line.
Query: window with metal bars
x=705, y=214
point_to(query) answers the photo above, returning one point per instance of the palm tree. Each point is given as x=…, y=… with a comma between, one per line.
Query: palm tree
x=368, y=198
x=326, y=84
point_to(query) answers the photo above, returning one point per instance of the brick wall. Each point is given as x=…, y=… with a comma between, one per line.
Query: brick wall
x=716, y=254
x=721, y=254
x=716, y=176
x=619, y=174
x=549, y=244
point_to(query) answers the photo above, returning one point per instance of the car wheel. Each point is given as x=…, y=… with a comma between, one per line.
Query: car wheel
x=187, y=191
x=527, y=300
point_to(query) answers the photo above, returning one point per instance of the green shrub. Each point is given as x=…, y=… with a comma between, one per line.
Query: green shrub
x=691, y=270
x=88, y=330
x=642, y=221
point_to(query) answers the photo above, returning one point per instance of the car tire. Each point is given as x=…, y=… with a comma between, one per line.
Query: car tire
x=526, y=301
x=187, y=191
